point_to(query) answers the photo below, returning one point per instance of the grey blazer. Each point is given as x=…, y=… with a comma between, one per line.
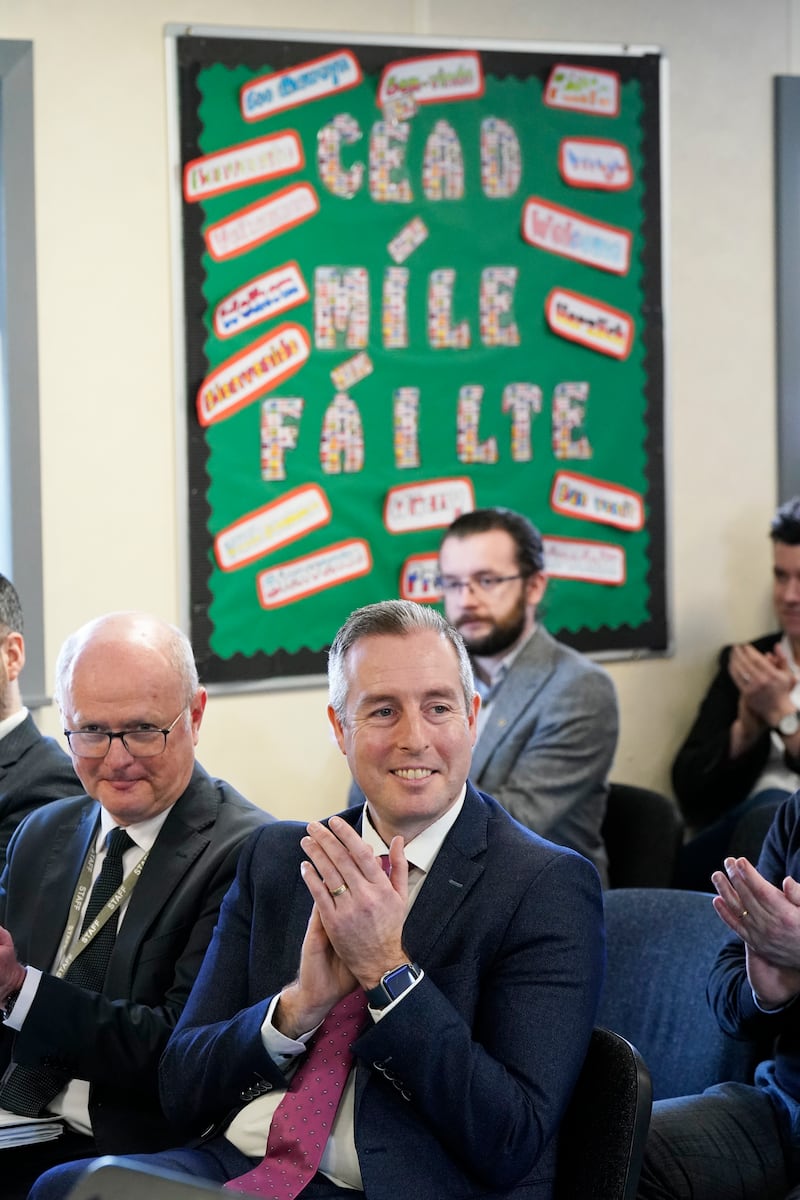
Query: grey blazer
x=548, y=743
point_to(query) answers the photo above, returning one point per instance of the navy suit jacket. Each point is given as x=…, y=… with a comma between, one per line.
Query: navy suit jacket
x=114, y=1038
x=33, y=771
x=461, y=1087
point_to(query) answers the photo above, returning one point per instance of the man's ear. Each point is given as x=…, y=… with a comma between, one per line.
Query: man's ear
x=535, y=588
x=338, y=730
x=12, y=647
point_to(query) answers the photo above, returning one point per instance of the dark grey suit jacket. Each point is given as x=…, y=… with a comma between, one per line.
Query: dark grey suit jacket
x=115, y=1038
x=548, y=743
x=33, y=771
x=460, y=1089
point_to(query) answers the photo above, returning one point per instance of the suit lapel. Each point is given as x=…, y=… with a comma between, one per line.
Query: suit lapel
x=180, y=842
x=528, y=674
x=454, y=872
x=61, y=869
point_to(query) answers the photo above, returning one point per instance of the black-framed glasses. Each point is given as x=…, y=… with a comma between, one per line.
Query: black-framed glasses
x=476, y=583
x=140, y=743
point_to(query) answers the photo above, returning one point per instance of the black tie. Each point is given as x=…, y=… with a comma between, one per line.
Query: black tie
x=27, y=1090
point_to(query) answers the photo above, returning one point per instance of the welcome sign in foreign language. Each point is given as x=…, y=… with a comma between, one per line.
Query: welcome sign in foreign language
x=417, y=279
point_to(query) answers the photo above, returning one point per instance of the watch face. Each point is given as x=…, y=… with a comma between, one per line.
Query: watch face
x=789, y=724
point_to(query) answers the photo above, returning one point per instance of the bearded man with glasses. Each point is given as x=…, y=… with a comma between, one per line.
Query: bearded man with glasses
x=548, y=725
x=108, y=900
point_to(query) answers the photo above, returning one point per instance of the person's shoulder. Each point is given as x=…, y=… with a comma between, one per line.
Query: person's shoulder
x=232, y=806
x=569, y=668
x=508, y=835
x=43, y=821
x=767, y=641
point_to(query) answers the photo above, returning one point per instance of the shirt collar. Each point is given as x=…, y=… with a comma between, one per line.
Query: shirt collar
x=12, y=722
x=421, y=851
x=143, y=833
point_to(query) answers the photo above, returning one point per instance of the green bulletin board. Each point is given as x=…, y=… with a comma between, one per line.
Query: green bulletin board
x=417, y=278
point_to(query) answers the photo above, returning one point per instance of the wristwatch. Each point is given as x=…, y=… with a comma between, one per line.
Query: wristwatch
x=7, y=1006
x=788, y=724
x=393, y=984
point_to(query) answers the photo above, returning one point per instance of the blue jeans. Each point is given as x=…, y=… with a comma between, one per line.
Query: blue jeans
x=216, y=1161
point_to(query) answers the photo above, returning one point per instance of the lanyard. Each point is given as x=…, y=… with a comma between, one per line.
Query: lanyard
x=111, y=905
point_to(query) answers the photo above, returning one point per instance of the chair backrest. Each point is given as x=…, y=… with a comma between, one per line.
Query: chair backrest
x=642, y=832
x=602, y=1137
x=661, y=943
x=111, y=1178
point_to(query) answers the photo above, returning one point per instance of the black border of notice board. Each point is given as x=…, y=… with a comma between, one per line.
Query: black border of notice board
x=196, y=49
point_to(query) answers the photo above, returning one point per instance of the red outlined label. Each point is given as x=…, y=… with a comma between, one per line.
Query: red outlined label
x=261, y=298
x=298, y=85
x=261, y=221
x=432, y=79
x=313, y=573
x=291, y=516
x=430, y=505
x=237, y=166
x=595, y=163
x=419, y=579
x=596, y=500
x=581, y=319
x=593, y=562
x=583, y=89
x=251, y=373
x=562, y=231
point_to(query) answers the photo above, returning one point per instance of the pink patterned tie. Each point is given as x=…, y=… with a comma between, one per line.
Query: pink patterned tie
x=301, y=1124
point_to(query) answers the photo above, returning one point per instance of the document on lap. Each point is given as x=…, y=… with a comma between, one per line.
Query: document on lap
x=23, y=1131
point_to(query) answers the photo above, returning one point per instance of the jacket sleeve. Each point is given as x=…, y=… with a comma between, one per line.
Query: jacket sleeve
x=729, y=993
x=706, y=780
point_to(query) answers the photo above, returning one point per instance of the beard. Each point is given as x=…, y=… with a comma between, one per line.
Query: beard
x=503, y=634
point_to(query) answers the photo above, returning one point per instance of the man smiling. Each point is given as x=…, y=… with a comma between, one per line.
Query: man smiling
x=443, y=963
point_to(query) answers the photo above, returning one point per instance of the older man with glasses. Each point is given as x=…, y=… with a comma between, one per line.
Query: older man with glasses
x=108, y=900
x=547, y=729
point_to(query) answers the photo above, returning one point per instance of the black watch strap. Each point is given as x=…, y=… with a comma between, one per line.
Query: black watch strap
x=393, y=984
x=8, y=1004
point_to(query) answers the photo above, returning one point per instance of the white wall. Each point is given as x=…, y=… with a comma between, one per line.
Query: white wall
x=110, y=479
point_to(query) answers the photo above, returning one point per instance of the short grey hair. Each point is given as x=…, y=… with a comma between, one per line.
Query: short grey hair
x=386, y=618
x=173, y=641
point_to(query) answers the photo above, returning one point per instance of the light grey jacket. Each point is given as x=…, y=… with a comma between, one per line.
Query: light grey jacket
x=548, y=743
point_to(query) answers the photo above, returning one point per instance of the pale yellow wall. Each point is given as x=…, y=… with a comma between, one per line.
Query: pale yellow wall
x=106, y=338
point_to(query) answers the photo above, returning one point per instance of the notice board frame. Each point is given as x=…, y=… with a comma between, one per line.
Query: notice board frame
x=199, y=357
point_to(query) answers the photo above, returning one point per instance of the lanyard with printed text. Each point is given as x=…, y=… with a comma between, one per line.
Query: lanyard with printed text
x=110, y=906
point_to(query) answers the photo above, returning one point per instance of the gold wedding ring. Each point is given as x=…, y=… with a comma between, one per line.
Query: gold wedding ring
x=340, y=890
x=743, y=914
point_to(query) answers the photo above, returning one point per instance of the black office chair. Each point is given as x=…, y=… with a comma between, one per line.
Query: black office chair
x=642, y=831
x=602, y=1138
x=111, y=1178
x=661, y=943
